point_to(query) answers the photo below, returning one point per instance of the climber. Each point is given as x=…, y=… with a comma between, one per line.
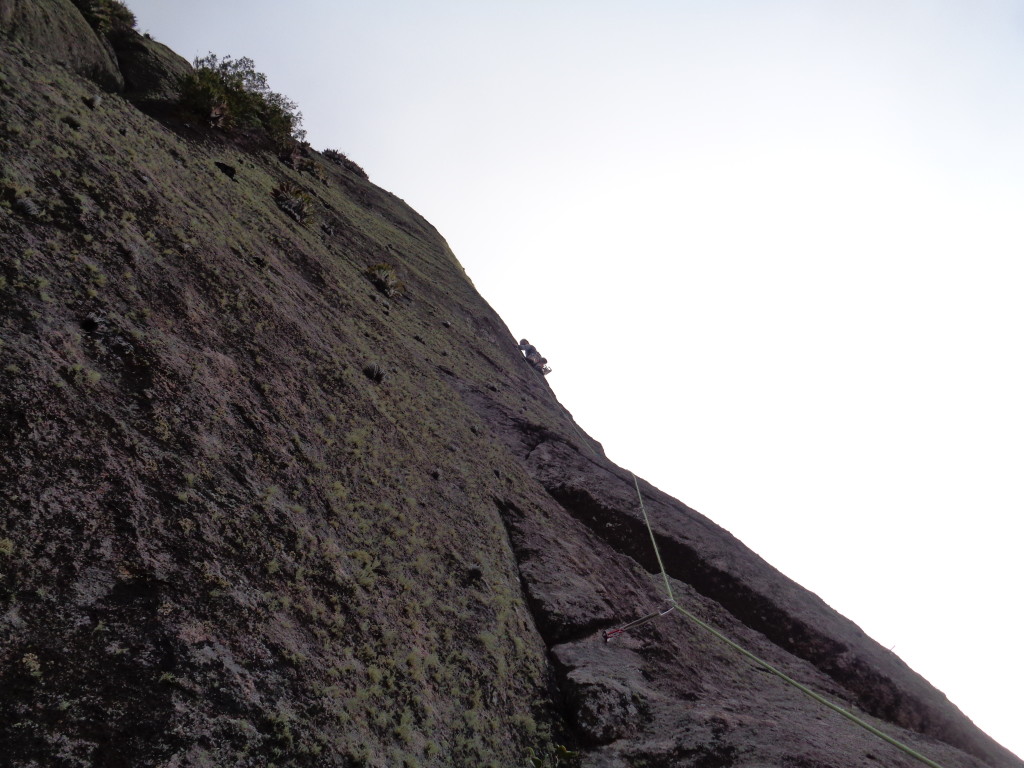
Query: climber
x=527, y=348
x=533, y=357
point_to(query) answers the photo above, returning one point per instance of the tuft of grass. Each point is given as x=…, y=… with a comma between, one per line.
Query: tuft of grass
x=79, y=374
x=28, y=207
x=293, y=201
x=340, y=158
x=375, y=373
x=557, y=756
x=32, y=665
x=384, y=279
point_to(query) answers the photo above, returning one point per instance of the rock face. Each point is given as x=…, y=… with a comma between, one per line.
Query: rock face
x=256, y=509
x=151, y=70
x=57, y=28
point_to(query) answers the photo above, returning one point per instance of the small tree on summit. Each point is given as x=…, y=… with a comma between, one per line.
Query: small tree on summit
x=235, y=98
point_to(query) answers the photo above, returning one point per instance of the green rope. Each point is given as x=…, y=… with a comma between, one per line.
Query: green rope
x=657, y=552
x=800, y=687
x=782, y=676
x=572, y=423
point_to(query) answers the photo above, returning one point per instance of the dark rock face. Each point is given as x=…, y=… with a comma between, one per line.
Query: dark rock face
x=151, y=70
x=731, y=709
x=223, y=542
x=57, y=28
x=602, y=709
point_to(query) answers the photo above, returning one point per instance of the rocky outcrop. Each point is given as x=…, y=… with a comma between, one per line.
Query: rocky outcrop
x=256, y=509
x=57, y=29
x=147, y=72
x=151, y=70
x=730, y=587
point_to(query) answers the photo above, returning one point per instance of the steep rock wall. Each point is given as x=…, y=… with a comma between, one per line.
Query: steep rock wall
x=56, y=28
x=255, y=511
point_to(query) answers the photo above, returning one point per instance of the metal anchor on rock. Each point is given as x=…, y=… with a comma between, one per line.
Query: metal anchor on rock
x=608, y=634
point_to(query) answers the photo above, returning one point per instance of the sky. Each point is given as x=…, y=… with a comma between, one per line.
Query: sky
x=771, y=249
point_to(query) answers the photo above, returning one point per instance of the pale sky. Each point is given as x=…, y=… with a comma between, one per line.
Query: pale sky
x=772, y=250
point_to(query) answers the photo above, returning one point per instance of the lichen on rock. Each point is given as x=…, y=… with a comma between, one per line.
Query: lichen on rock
x=57, y=29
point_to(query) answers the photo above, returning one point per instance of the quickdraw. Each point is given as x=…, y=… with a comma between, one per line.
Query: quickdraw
x=608, y=634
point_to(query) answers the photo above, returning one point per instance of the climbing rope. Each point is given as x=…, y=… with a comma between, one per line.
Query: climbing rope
x=673, y=605
x=758, y=660
x=657, y=552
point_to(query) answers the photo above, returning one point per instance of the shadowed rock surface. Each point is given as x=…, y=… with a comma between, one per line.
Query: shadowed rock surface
x=151, y=70
x=255, y=509
x=58, y=29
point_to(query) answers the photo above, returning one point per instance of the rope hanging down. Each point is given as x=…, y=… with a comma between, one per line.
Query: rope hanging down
x=782, y=676
x=673, y=605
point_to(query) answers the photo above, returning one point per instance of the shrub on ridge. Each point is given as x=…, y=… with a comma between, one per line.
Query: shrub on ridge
x=233, y=97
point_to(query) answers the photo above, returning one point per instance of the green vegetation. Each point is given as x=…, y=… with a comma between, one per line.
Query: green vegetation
x=108, y=17
x=340, y=158
x=293, y=201
x=235, y=98
x=385, y=280
x=31, y=664
x=79, y=374
x=557, y=757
